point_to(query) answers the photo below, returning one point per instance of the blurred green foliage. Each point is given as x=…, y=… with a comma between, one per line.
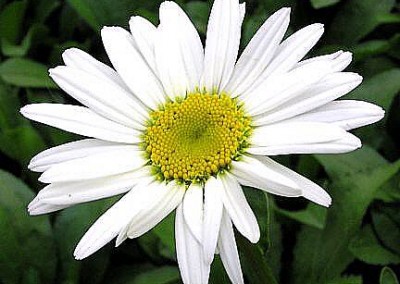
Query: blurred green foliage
x=357, y=240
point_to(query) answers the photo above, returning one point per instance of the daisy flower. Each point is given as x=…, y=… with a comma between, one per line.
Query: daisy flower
x=177, y=126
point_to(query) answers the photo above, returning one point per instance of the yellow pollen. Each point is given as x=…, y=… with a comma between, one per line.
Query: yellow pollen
x=193, y=138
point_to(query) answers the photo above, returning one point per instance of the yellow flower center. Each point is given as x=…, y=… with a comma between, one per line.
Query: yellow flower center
x=193, y=138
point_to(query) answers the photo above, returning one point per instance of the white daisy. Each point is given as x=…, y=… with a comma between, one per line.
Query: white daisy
x=177, y=126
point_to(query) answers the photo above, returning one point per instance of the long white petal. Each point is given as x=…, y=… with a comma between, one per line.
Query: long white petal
x=101, y=96
x=277, y=90
x=39, y=208
x=347, y=143
x=301, y=138
x=340, y=60
x=124, y=159
x=193, y=210
x=132, y=67
x=111, y=222
x=144, y=33
x=80, y=120
x=291, y=51
x=287, y=133
x=328, y=89
x=68, y=151
x=222, y=43
x=251, y=172
x=310, y=190
x=228, y=250
x=259, y=52
x=192, y=266
x=294, y=48
x=239, y=210
x=70, y=193
x=346, y=114
x=213, y=207
x=76, y=58
x=160, y=201
x=179, y=51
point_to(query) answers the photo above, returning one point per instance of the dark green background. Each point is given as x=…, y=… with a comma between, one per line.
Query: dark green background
x=357, y=240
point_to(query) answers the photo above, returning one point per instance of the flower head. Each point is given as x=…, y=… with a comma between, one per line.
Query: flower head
x=178, y=126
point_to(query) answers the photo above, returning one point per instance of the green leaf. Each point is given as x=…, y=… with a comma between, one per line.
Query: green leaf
x=258, y=201
x=11, y=20
x=387, y=228
x=322, y=255
x=388, y=276
x=160, y=241
x=162, y=275
x=275, y=243
x=165, y=231
x=253, y=261
x=356, y=19
x=24, y=240
x=25, y=73
x=69, y=228
x=99, y=13
x=366, y=247
x=35, y=33
x=86, y=11
x=143, y=273
x=317, y=4
x=314, y=215
x=347, y=280
x=198, y=12
x=9, y=105
x=390, y=191
x=43, y=9
x=218, y=274
x=18, y=139
x=370, y=48
x=21, y=143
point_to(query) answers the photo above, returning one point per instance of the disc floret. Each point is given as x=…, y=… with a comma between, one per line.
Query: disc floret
x=193, y=138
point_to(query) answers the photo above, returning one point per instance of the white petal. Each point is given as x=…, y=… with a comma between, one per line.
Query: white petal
x=70, y=193
x=212, y=217
x=131, y=66
x=347, y=143
x=328, y=89
x=259, y=52
x=193, y=210
x=110, y=223
x=228, y=250
x=101, y=96
x=291, y=51
x=340, y=60
x=242, y=9
x=144, y=33
x=179, y=51
x=222, y=43
x=345, y=114
x=68, y=151
x=284, y=137
x=294, y=48
x=161, y=199
x=286, y=133
x=192, y=266
x=76, y=58
x=277, y=90
x=239, y=210
x=39, y=208
x=251, y=172
x=124, y=159
x=80, y=120
x=310, y=190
